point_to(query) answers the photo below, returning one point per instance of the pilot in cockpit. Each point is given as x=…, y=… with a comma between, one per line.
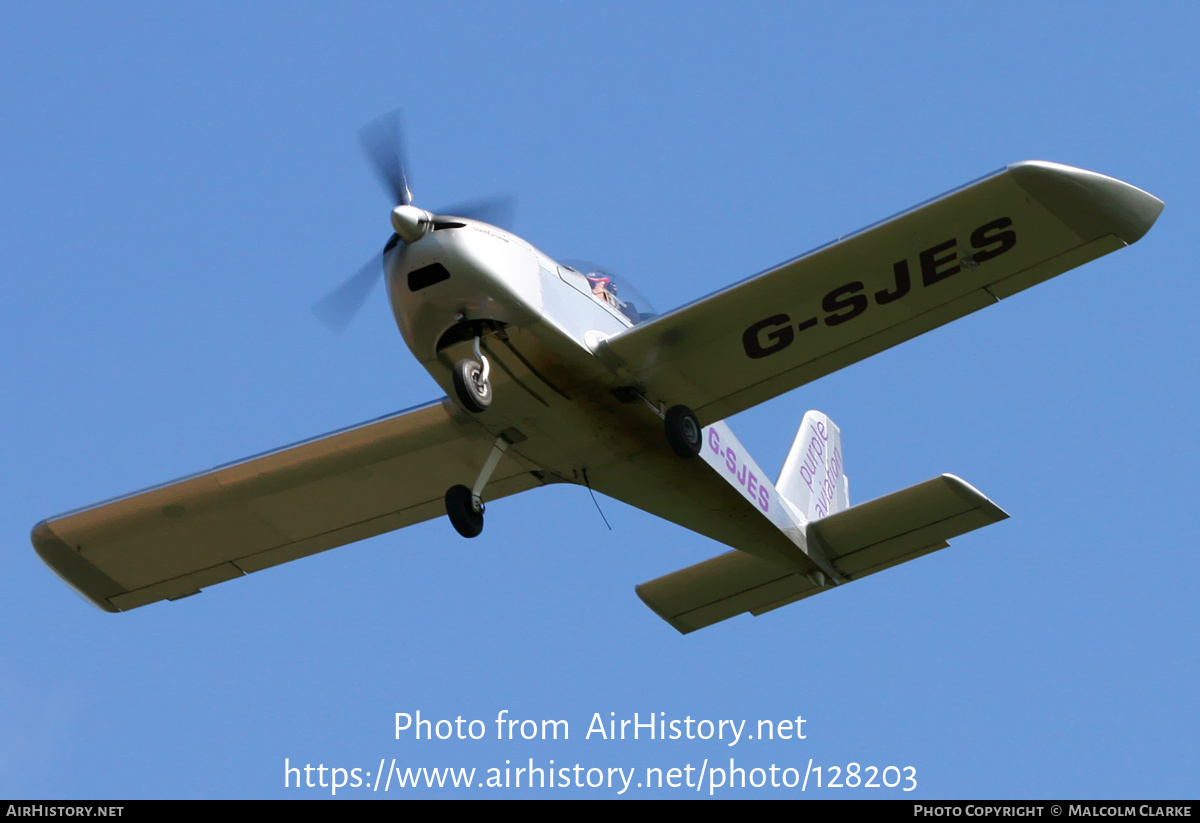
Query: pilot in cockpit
x=605, y=290
x=602, y=285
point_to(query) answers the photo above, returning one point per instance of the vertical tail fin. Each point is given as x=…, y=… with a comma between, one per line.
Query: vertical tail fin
x=813, y=478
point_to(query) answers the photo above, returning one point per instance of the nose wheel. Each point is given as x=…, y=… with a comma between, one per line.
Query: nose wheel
x=471, y=384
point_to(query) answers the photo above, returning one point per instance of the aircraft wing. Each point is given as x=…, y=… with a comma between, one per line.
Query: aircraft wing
x=889, y=282
x=858, y=541
x=170, y=541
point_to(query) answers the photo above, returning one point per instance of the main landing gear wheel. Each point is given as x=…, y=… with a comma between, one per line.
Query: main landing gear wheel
x=471, y=385
x=683, y=431
x=465, y=506
x=465, y=515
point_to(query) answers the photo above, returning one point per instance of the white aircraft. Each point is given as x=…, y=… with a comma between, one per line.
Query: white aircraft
x=562, y=374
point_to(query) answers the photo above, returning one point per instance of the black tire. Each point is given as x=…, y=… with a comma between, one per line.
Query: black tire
x=683, y=431
x=464, y=517
x=474, y=395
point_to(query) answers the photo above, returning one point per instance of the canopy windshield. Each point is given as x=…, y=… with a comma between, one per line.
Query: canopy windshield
x=615, y=290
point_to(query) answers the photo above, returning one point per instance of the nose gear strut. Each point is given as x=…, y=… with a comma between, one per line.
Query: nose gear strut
x=471, y=383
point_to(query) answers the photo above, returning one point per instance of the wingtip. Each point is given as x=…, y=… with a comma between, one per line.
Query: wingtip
x=975, y=497
x=83, y=578
x=643, y=594
x=1091, y=204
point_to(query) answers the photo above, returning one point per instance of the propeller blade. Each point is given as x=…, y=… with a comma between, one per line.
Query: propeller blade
x=499, y=211
x=339, y=307
x=382, y=142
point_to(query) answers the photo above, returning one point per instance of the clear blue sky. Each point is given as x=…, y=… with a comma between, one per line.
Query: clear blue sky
x=180, y=185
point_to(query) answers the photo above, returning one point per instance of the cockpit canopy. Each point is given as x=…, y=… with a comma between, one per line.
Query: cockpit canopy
x=613, y=289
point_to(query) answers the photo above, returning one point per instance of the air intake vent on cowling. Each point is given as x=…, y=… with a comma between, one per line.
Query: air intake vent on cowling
x=427, y=276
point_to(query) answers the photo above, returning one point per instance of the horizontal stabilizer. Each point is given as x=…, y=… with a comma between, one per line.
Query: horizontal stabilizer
x=859, y=541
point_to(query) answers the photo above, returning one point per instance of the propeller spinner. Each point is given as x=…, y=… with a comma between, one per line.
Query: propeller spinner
x=383, y=144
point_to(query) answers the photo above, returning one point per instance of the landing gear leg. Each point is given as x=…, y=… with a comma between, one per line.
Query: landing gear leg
x=471, y=383
x=465, y=506
x=683, y=431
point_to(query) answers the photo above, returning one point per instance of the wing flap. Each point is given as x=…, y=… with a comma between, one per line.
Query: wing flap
x=885, y=284
x=859, y=541
x=172, y=540
x=510, y=478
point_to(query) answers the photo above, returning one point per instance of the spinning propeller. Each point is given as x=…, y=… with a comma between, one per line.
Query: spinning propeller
x=383, y=144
